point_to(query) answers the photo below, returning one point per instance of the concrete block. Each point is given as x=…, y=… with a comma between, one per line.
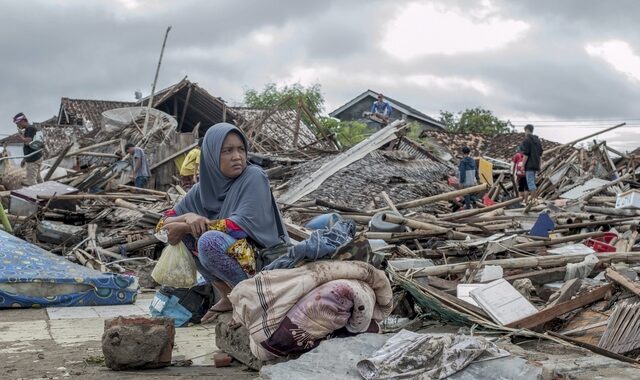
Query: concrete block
x=138, y=342
x=235, y=342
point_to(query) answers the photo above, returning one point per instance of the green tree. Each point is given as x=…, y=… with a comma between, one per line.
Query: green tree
x=477, y=120
x=286, y=96
x=348, y=133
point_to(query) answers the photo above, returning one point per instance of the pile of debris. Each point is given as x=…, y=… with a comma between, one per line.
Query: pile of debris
x=564, y=268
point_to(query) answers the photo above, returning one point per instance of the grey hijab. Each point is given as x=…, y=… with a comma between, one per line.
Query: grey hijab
x=246, y=200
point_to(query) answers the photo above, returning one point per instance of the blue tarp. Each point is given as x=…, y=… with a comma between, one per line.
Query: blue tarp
x=22, y=262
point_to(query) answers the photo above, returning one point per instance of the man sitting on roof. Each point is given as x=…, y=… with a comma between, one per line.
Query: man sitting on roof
x=381, y=108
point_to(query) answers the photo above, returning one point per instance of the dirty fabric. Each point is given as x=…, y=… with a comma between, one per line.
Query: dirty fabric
x=261, y=303
x=320, y=244
x=427, y=356
x=581, y=269
x=225, y=258
x=338, y=308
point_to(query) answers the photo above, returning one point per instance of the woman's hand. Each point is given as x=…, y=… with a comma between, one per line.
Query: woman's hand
x=176, y=232
x=198, y=224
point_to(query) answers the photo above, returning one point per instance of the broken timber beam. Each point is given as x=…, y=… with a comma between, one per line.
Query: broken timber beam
x=566, y=239
x=57, y=162
x=468, y=213
x=546, y=152
x=551, y=313
x=440, y=197
x=622, y=281
x=526, y=262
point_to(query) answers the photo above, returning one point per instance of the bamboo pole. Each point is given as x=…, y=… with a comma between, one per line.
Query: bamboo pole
x=566, y=239
x=587, y=196
x=439, y=197
x=583, y=138
x=138, y=244
x=97, y=196
x=155, y=81
x=90, y=147
x=468, y=213
x=612, y=211
x=415, y=224
x=527, y=262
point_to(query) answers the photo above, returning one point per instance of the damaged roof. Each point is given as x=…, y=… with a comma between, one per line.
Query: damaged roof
x=86, y=112
x=192, y=105
x=278, y=130
x=403, y=175
x=502, y=146
x=13, y=139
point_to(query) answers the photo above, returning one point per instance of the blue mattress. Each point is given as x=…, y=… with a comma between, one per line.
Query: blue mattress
x=22, y=262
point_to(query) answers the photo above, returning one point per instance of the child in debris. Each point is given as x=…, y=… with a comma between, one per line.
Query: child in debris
x=227, y=216
x=517, y=170
x=468, y=175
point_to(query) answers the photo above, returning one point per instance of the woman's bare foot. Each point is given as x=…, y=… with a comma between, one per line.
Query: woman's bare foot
x=222, y=306
x=233, y=324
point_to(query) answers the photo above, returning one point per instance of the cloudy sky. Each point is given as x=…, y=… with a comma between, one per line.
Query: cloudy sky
x=570, y=67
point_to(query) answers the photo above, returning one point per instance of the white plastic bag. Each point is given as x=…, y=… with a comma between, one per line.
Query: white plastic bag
x=176, y=267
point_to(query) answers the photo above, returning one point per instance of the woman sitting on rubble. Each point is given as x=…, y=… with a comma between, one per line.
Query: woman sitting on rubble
x=227, y=216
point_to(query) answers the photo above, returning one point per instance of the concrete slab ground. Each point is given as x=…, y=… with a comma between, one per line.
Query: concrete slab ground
x=60, y=343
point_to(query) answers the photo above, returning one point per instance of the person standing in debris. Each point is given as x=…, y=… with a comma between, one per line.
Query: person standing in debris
x=532, y=150
x=227, y=216
x=32, y=144
x=140, y=173
x=381, y=108
x=190, y=166
x=517, y=170
x=468, y=175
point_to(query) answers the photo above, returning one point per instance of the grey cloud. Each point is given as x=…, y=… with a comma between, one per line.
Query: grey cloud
x=99, y=50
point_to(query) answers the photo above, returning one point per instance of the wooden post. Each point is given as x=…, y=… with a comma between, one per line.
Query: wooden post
x=297, y=123
x=185, y=107
x=55, y=165
x=546, y=315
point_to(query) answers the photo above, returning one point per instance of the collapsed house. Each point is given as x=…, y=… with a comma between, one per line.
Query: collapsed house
x=569, y=262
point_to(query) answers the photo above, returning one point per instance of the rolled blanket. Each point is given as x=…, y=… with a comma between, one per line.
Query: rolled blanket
x=262, y=303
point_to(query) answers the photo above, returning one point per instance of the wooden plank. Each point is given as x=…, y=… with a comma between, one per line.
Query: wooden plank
x=57, y=162
x=568, y=290
x=455, y=302
x=547, y=315
x=622, y=281
x=541, y=277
